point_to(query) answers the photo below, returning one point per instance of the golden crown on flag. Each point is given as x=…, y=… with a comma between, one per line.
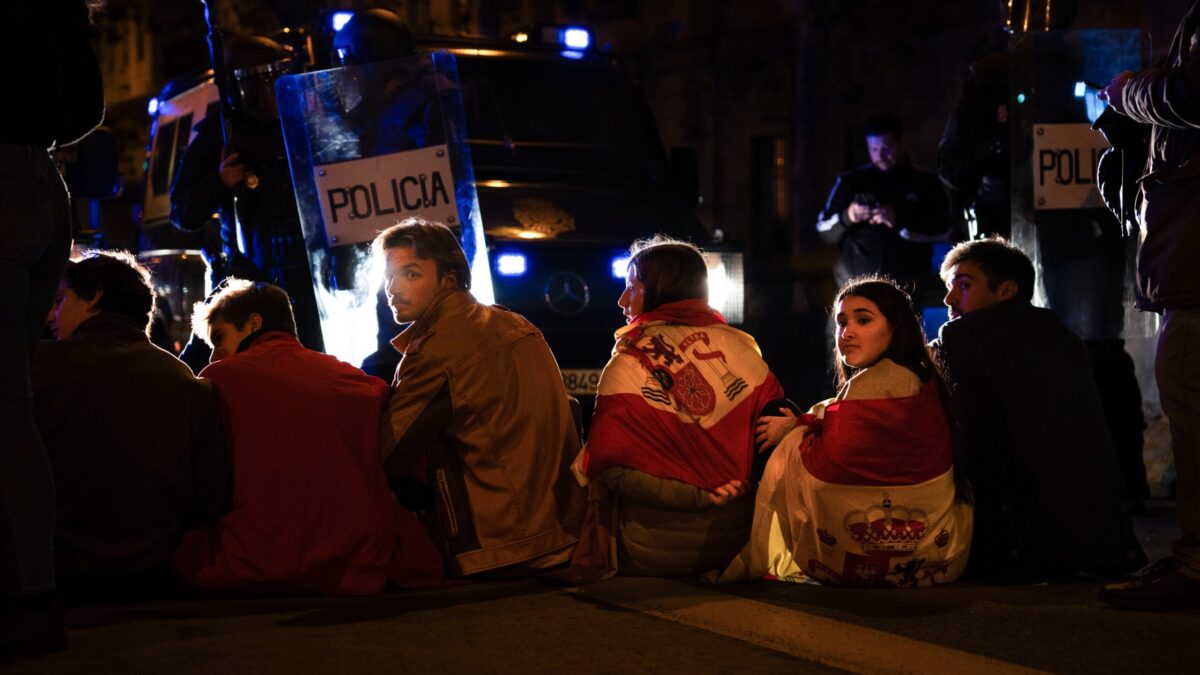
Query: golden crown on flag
x=884, y=528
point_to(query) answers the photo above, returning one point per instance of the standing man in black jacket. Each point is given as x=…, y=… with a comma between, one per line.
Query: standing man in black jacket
x=1167, y=97
x=53, y=97
x=883, y=215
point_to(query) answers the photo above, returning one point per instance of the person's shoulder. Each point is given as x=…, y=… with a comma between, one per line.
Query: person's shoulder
x=970, y=343
x=242, y=364
x=217, y=370
x=741, y=339
x=1008, y=313
x=960, y=328
x=885, y=379
x=1049, y=329
x=482, y=323
x=858, y=172
x=331, y=366
x=165, y=361
x=1045, y=317
x=1026, y=320
x=902, y=380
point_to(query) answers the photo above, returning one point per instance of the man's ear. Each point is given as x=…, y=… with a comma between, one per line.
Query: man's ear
x=255, y=322
x=449, y=281
x=1007, y=290
x=91, y=304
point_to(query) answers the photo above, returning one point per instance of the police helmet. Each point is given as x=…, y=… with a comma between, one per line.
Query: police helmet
x=255, y=63
x=372, y=35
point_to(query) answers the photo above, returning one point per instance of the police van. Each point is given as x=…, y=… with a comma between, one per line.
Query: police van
x=568, y=168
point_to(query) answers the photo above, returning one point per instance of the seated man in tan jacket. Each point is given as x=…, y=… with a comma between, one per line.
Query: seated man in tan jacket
x=478, y=409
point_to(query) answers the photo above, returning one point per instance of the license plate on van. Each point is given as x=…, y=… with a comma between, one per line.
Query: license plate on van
x=581, y=381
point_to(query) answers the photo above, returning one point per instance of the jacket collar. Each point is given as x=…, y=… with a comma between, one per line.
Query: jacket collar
x=110, y=325
x=1001, y=311
x=695, y=312
x=265, y=336
x=450, y=303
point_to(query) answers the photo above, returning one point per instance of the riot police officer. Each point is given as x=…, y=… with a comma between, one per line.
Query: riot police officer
x=396, y=118
x=249, y=185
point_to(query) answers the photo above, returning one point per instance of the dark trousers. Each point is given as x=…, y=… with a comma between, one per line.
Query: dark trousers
x=35, y=240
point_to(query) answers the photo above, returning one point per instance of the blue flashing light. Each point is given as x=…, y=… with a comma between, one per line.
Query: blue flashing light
x=1080, y=89
x=574, y=37
x=152, y=107
x=572, y=54
x=340, y=19
x=511, y=264
x=620, y=266
x=1021, y=98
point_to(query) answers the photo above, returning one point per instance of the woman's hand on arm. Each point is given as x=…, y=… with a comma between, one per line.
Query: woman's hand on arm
x=770, y=429
x=728, y=492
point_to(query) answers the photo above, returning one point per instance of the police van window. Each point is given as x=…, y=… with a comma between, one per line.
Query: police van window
x=161, y=161
x=183, y=137
x=566, y=117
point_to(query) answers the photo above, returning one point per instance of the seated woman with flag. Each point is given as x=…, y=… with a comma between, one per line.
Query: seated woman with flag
x=672, y=438
x=861, y=490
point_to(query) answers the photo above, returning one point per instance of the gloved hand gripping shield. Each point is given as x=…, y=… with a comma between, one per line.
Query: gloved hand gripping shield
x=369, y=146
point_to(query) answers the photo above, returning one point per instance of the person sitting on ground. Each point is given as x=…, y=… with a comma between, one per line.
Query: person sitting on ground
x=311, y=508
x=1032, y=436
x=861, y=490
x=134, y=438
x=672, y=438
x=478, y=402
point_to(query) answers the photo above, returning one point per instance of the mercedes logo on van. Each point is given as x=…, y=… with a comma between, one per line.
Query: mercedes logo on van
x=567, y=293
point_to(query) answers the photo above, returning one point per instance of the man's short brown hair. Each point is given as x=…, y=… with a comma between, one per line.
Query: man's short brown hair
x=429, y=240
x=125, y=285
x=999, y=260
x=237, y=299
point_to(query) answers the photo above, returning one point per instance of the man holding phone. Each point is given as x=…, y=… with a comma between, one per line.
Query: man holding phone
x=883, y=215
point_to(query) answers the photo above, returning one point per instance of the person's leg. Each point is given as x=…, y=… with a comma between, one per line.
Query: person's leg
x=1121, y=400
x=1177, y=367
x=1175, y=581
x=1087, y=294
x=34, y=244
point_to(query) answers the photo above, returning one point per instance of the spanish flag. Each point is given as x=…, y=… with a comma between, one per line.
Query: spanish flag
x=679, y=398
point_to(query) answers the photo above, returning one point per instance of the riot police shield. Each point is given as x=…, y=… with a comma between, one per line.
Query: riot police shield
x=1084, y=264
x=369, y=146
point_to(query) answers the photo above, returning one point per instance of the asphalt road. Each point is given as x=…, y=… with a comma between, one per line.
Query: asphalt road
x=629, y=625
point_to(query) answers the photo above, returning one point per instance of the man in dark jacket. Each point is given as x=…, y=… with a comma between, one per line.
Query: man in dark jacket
x=134, y=438
x=883, y=215
x=1030, y=429
x=1167, y=97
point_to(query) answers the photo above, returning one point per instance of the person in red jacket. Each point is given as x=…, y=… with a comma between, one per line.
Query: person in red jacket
x=312, y=510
